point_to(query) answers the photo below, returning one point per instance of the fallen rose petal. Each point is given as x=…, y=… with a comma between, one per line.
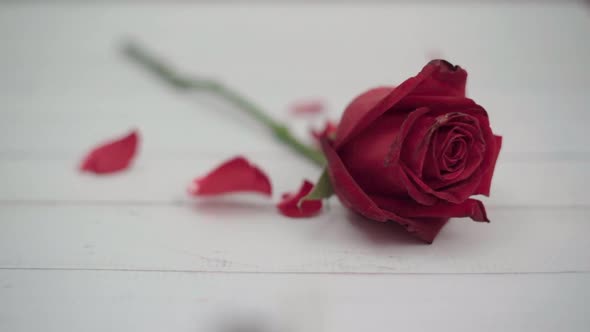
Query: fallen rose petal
x=234, y=175
x=308, y=107
x=290, y=207
x=112, y=156
x=328, y=131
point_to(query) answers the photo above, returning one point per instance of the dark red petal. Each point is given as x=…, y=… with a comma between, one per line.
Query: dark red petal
x=403, y=138
x=354, y=198
x=445, y=80
x=426, y=229
x=358, y=109
x=486, y=181
x=234, y=175
x=329, y=131
x=456, y=194
x=348, y=191
x=471, y=208
x=413, y=151
x=417, y=189
x=474, y=155
x=289, y=205
x=438, y=78
x=454, y=150
x=113, y=156
x=489, y=155
x=438, y=104
x=457, y=181
x=308, y=107
x=372, y=157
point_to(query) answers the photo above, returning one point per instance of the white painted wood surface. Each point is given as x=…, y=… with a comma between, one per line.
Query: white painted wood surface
x=220, y=236
x=164, y=301
x=131, y=252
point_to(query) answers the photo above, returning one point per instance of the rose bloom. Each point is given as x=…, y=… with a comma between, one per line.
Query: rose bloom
x=415, y=153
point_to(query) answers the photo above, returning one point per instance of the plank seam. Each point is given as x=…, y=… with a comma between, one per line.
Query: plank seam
x=68, y=269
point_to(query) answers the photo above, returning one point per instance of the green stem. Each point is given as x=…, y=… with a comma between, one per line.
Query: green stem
x=177, y=81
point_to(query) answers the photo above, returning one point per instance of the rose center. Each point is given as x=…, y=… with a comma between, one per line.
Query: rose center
x=456, y=150
x=453, y=154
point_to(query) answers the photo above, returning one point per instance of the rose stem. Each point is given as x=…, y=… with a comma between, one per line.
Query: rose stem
x=180, y=82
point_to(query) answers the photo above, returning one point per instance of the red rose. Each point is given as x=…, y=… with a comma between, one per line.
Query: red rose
x=415, y=153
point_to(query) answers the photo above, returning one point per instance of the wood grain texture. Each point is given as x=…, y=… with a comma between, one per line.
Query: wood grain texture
x=131, y=252
x=140, y=301
x=226, y=235
x=532, y=123
x=548, y=183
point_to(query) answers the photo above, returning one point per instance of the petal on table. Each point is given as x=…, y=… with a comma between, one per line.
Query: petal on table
x=112, y=156
x=290, y=207
x=234, y=175
x=313, y=106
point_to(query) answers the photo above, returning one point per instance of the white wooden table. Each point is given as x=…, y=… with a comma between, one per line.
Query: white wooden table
x=131, y=252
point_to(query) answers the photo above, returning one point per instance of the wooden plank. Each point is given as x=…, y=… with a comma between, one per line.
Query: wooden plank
x=161, y=181
x=372, y=50
x=52, y=91
x=248, y=236
x=188, y=123
x=141, y=301
x=64, y=88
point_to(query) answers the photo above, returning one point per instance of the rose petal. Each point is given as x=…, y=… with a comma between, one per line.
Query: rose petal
x=471, y=208
x=438, y=78
x=440, y=176
x=308, y=107
x=439, y=104
x=454, y=147
x=413, y=151
x=329, y=131
x=487, y=159
x=357, y=109
x=289, y=205
x=377, y=150
x=419, y=191
x=113, y=156
x=234, y=175
x=486, y=182
x=445, y=80
x=348, y=191
x=469, y=130
x=456, y=194
x=426, y=229
x=353, y=197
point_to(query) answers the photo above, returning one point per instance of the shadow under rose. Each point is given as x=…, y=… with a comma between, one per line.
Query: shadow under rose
x=382, y=233
x=253, y=208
